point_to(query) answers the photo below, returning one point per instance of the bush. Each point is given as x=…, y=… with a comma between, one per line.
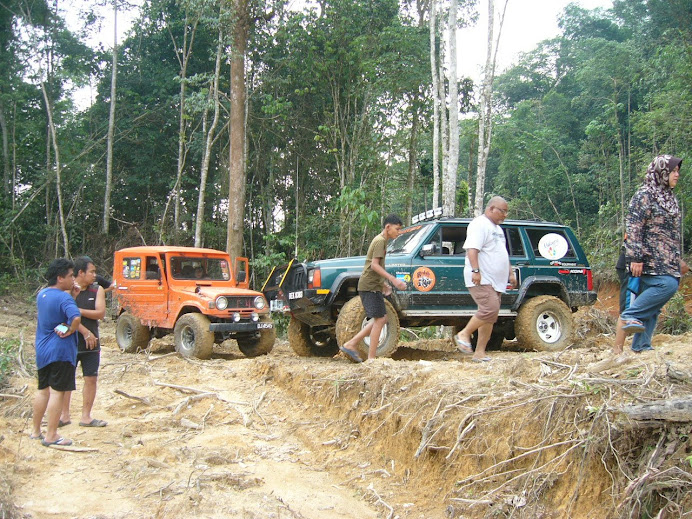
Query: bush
x=8, y=356
x=676, y=320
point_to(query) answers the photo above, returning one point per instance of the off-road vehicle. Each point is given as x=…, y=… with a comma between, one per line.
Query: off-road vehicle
x=192, y=293
x=551, y=268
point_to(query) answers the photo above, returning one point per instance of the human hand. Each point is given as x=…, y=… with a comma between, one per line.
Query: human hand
x=513, y=280
x=400, y=284
x=684, y=267
x=62, y=330
x=476, y=278
x=636, y=269
x=76, y=289
x=91, y=341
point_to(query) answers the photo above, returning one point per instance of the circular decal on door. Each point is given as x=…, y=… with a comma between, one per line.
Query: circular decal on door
x=553, y=246
x=423, y=279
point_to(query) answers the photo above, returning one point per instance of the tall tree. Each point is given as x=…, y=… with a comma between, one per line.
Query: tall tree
x=111, y=126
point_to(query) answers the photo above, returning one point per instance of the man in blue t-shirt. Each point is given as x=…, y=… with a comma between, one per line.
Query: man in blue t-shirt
x=56, y=348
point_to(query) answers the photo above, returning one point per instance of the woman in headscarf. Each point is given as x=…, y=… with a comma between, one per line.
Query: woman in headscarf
x=653, y=248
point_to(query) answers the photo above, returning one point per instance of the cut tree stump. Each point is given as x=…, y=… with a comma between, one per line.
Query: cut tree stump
x=671, y=410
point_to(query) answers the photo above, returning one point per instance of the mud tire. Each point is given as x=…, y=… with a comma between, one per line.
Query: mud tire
x=130, y=334
x=192, y=336
x=311, y=341
x=352, y=319
x=258, y=345
x=544, y=323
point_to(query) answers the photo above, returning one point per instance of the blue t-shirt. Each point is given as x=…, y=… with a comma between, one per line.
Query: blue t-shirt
x=55, y=307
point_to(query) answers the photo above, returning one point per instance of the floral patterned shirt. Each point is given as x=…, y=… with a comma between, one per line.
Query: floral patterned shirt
x=653, y=236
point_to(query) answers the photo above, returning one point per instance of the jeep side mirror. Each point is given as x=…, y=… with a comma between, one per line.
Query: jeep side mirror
x=240, y=276
x=428, y=250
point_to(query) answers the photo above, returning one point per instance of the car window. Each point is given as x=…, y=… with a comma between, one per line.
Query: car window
x=132, y=268
x=448, y=240
x=515, y=247
x=408, y=240
x=189, y=267
x=554, y=244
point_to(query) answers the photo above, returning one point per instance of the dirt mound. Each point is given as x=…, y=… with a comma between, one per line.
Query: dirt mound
x=426, y=434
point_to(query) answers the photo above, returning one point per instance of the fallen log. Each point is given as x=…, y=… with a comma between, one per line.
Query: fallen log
x=671, y=410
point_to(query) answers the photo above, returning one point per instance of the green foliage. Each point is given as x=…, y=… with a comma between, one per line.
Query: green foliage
x=675, y=319
x=8, y=356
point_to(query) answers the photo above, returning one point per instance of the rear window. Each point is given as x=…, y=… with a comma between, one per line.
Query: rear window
x=515, y=247
x=132, y=268
x=551, y=244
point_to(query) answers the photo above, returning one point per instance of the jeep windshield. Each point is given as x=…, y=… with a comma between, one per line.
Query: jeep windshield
x=207, y=269
x=408, y=240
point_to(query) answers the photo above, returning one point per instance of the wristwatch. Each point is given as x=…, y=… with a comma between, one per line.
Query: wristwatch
x=475, y=271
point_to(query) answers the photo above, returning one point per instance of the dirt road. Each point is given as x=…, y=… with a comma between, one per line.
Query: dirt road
x=427, y=434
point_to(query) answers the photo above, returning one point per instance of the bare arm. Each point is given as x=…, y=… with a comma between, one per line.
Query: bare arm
x=99, y=310
x=379, y=269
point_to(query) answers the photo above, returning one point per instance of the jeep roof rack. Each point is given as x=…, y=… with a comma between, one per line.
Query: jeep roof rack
x=430, y=214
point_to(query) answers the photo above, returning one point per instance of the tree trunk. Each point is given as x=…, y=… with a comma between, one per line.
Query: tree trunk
x=6, y=181
x=450, y=173
x=671, y=410
x=485, y=115
x=183, y=54
x=444, y=136
x=412, y=163
x=236, y=175
x=58, y=179
x=214, y=92
x=111, y=127
x=436, y=105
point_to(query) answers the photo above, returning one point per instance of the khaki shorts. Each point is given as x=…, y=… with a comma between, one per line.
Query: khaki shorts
x=488, y=301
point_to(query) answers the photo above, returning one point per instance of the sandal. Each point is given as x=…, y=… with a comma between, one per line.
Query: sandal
x=463, y=346
x=633, y=326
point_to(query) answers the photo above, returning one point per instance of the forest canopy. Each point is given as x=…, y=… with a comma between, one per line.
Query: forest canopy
x=337, y=126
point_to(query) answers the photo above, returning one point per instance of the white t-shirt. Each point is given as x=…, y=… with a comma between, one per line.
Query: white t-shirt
x=493, y=260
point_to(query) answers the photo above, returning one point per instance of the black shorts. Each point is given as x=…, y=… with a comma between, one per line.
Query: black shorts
x=90, y=362
x=373, y=302
x=57, y=375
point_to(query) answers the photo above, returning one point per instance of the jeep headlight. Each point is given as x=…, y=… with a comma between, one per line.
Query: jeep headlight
x=221, y=303
x=260, y=303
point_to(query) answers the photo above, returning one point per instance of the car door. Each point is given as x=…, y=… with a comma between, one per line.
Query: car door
x=143, y=290
x=437, y=273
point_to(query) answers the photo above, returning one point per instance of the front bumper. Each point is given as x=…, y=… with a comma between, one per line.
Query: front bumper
x=240, y=327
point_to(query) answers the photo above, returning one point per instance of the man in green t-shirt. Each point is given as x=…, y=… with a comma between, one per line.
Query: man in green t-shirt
x=372, y=289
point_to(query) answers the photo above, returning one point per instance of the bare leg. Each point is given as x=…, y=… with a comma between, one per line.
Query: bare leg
x=65, y=413
x=619, y=338
x=54, y=409
x=484, y=332
x=40, y=405
x=473, y=325
x=377, y=325
x=351, y=344
x=89, y=395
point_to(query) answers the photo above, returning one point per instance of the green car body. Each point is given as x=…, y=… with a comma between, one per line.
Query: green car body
x=551, y=268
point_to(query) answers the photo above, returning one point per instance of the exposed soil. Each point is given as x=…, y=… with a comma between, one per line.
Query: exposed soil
x=425, y=434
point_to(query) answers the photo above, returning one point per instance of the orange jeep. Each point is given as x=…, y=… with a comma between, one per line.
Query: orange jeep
x=193, y=293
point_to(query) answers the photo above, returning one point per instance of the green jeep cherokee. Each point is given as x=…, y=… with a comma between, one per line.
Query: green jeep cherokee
x=553, y=275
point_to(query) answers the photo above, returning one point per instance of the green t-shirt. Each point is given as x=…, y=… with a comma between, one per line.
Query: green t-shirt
x=371, y=281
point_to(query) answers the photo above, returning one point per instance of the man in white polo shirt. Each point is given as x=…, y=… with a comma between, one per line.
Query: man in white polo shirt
x=486, y=273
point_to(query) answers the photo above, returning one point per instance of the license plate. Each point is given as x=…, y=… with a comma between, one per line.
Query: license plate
x=265, y=325
x=295, y=295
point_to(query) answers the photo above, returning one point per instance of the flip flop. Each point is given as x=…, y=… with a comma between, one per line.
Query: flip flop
x=60, y=441
x=94, y=423
x=483, y=359
x=351, y=354
x=63, y=424
x=39, y=437
x=463, y=346
x=633, y=326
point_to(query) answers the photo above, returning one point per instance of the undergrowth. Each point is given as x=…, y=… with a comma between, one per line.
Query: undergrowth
x=8, y=355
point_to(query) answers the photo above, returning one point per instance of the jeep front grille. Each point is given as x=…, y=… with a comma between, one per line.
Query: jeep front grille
x=241, y=302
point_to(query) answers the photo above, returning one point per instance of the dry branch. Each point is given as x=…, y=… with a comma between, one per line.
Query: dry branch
x=144, y=400
x=671, y=410
x=188, y=400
